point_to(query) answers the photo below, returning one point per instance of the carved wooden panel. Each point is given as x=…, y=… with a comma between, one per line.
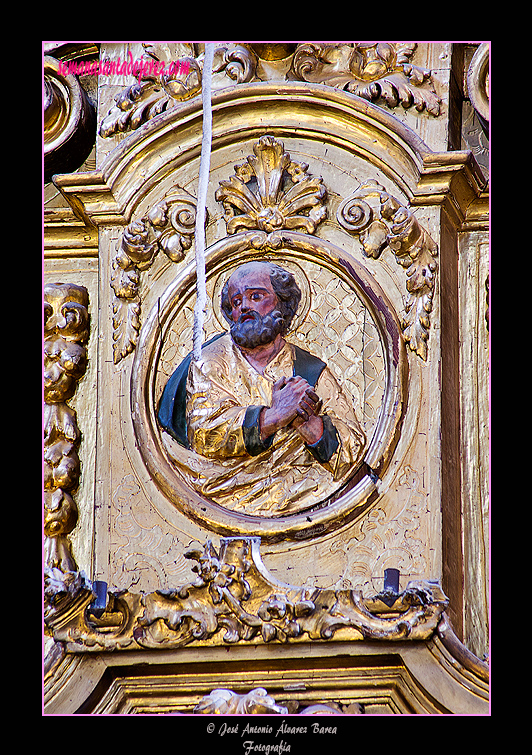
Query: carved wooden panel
x=329, y=160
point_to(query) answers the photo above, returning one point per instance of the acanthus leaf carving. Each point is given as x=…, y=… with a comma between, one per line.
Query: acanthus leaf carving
x=152, y=95
x=236, y=61
x=169, y=226
x=380, y=72
x=376, y=71
x=380, y=221
x=257, y=195
x=235, y=600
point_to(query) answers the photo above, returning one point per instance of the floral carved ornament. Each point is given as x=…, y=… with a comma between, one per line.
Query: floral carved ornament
x=233, y=600
x=169, y=227
x=372, y=213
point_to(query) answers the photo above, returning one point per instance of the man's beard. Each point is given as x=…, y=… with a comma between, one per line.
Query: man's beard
x=257, y=331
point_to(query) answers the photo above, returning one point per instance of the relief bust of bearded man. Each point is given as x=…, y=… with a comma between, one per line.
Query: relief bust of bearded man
x=268, y=428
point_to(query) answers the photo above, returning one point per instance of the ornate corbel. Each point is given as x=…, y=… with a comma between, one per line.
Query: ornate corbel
x=380, y=221
x=271, y=192
x=66, y=332
x=169, y=226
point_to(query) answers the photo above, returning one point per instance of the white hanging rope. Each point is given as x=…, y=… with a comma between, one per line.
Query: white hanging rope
x=204, y=170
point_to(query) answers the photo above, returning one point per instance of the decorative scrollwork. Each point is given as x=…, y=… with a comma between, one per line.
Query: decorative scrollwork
x=376, y=71
x=236, y=61
x=152, y=95
x=169, y=226
x=381, y=221
x=235, y=600
x=380, y=72
x=271, y=192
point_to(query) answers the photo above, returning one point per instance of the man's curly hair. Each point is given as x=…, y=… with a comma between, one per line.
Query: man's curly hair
x=285, y=287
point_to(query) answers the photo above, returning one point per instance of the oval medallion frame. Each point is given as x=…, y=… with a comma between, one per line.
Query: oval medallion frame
x=361, y=491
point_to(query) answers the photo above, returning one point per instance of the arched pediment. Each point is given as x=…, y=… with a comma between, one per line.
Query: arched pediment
x=312, y=112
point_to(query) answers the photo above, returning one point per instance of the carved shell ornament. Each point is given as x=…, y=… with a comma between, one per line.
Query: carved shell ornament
x=284, y=196
x=268, y=193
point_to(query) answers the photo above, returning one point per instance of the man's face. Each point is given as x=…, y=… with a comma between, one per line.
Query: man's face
x=251, y=292
x=256, y=319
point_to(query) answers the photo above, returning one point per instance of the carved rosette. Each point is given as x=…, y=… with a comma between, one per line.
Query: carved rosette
x=271, y=192
x=381, y=221
x=169, y=227
x=235, y=600
x=66, y=332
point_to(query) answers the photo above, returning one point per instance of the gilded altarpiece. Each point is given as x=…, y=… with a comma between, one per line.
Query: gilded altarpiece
x=330, y=161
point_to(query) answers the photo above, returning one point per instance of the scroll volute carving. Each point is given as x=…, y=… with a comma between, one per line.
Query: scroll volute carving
x=169, y=227
x=235, y=600
x=66, y=332
x=381, y=221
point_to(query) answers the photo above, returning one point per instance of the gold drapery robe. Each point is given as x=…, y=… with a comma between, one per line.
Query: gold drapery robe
x=285, y=476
